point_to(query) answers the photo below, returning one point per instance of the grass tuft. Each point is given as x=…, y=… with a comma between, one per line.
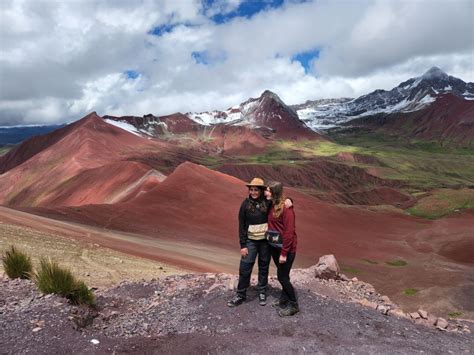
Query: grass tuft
x=397, y=263
x=410, y=291
x=455, y=314
x=16, y=264
x=51, y=278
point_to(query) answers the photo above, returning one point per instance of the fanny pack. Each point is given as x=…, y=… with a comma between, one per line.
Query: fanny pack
x=274, y=238
x=257, y=231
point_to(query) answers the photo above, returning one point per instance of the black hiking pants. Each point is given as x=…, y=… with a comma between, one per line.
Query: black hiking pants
x=256, y=248
x=283, y=274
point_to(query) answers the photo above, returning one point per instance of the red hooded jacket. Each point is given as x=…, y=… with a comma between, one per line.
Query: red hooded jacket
x=285, y=224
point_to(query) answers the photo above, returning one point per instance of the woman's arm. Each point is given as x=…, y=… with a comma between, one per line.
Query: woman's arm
x=243, y=225
x=288, y=216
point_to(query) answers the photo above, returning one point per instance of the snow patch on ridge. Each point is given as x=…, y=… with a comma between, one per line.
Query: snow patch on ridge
x=124, y=125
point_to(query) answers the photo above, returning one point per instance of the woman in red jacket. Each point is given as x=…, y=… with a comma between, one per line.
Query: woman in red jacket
x=281, y=220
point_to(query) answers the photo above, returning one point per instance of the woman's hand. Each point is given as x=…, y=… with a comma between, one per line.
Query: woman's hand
x=282, y=259
x=244, y=252
x=288, y=203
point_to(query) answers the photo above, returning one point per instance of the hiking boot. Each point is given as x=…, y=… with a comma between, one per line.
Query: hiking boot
x=237, y=300
x=279, y=304
x=289, y=310
x=262, y=299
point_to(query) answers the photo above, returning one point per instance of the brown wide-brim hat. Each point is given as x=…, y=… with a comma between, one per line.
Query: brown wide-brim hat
x=256, y=182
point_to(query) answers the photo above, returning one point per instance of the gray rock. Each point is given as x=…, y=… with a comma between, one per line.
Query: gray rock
x=383, y=309
x=415, y=315
x=441, y=324
x=327, y=268
x=423, y=314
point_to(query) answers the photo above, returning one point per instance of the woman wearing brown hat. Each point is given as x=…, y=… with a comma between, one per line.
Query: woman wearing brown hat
x=253, y=216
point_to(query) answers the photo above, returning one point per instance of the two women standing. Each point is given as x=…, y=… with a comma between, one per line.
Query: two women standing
x=267, y=212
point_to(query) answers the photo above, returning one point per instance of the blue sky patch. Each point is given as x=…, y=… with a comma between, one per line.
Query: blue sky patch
x=207, y=58
x=132, y=74
x=161, y=30
x=246, y=9
x=200, y=57
x=305, y=58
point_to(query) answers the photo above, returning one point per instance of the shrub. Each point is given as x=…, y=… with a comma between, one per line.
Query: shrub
x=16, y=264
x=82, y=295
x=51, y=278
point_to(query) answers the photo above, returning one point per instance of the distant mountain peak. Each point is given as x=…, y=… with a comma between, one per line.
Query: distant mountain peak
x=411, y=95
x=270, y=94
x=434, y=73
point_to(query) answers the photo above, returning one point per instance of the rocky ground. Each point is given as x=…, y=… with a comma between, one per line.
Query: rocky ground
x=188, y=314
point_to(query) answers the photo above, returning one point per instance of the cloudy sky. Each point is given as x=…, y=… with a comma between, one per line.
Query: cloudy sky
x=60, y=60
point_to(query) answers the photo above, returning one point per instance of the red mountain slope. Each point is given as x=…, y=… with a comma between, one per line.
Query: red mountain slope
x=51, y=174
x=36, y=144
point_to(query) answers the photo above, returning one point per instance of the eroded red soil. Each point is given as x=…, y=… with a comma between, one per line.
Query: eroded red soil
x=198, y=205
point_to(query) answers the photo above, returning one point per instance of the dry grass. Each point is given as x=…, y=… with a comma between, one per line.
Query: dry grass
x=99, y=266
x=16, y=263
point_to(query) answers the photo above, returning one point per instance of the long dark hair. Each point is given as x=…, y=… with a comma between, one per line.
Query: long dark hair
x=276, y=188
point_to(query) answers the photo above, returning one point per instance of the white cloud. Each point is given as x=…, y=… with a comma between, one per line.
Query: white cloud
x=61, y=60
x=222, y=7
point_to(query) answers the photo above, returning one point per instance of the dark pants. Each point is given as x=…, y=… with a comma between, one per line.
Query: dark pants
x=262, y=249
x=283, y=273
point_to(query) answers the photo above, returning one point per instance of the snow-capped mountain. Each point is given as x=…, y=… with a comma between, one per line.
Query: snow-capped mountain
x=267, y=112
x=411, y=95
x=248, y=113
x=270, y=116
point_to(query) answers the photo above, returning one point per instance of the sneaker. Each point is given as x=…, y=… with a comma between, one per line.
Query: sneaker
x=289, y=310
x=262, y=299
x=237, y=300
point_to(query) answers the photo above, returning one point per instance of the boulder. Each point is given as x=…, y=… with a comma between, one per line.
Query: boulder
x=327, y=268
x=441, y=324
x=415, y=315
x=397, y=312
x=423, y=314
